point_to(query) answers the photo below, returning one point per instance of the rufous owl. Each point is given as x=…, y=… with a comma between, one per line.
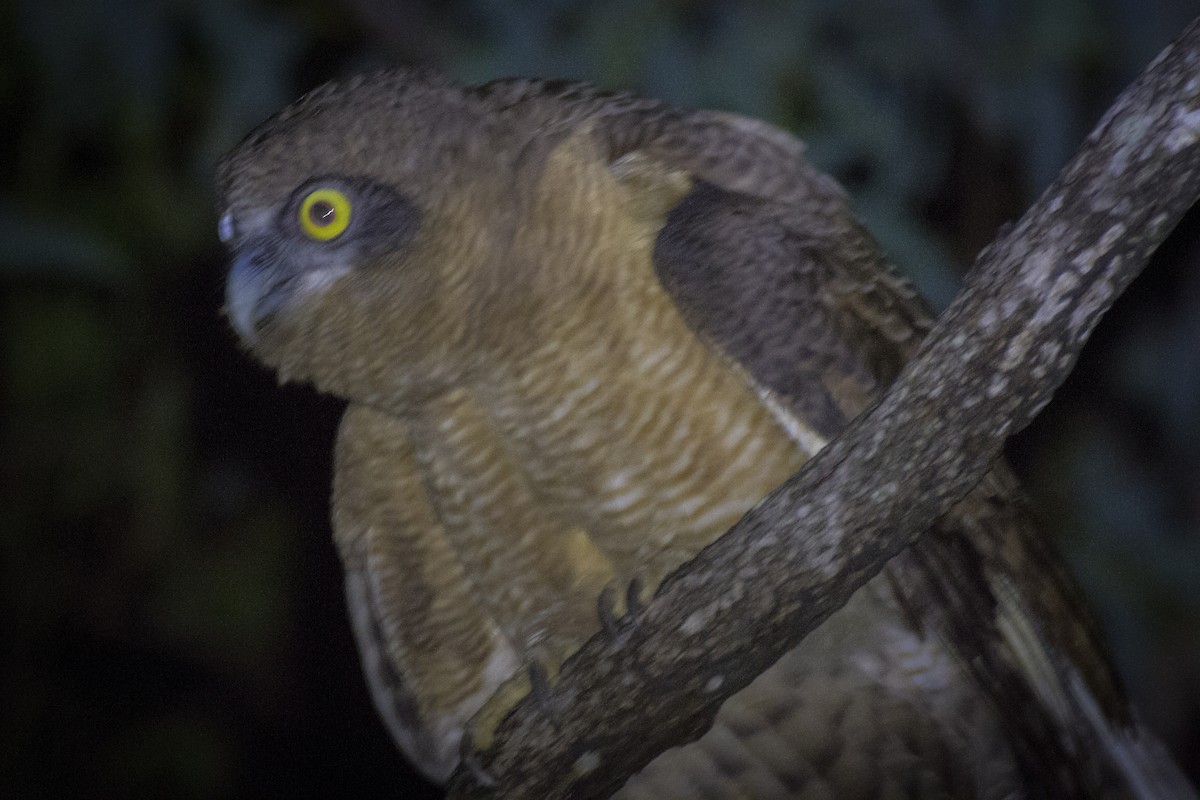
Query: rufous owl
x=580, y=334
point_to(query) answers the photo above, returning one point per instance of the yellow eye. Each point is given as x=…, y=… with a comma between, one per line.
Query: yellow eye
x=324, y=214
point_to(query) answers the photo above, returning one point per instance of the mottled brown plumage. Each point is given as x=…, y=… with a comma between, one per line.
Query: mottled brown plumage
x=580, y=335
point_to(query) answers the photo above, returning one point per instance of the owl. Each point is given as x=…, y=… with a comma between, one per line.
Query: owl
x=579, y=335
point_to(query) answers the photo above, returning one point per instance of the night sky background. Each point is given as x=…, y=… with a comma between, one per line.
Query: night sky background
x=171, y=614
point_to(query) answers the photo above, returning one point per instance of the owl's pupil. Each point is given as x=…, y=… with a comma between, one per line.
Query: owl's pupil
x=321, y=213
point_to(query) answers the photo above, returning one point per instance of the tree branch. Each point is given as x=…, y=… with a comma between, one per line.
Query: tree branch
x=991, y=363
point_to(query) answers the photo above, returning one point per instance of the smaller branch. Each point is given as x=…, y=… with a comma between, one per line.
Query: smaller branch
x=989, y=366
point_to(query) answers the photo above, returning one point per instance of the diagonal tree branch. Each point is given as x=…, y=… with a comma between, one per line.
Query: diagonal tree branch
x=992, y=362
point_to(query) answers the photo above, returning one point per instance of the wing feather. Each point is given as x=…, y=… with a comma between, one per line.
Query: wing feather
x=431, y=654
x=764, y=259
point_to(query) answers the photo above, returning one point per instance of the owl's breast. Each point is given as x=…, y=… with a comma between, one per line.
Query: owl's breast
x=639, y=433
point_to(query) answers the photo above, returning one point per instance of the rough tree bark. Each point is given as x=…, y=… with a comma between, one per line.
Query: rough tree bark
x=992, y=362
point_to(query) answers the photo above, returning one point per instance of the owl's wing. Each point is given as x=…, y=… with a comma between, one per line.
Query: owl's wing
x=764, y=260
x=812, y=313
x=446, y=613
x=430, y=653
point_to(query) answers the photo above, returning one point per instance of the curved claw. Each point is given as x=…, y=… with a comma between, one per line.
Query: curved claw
x=539, y=690
x=618, y=625
x=634, y=606
x=469, y=757
x=606, y=610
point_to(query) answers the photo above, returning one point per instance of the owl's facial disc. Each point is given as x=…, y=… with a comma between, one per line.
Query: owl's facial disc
x=298, y=247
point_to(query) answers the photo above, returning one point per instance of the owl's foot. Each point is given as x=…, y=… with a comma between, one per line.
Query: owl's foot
x=615, y=624
x=482, y=726
x=534, y=681
x=539, y=690
x=468, y=755
x=635, y=598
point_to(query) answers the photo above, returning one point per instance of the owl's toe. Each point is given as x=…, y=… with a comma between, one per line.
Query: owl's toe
x=469, y=759
x=539, y=690
x=620, y=613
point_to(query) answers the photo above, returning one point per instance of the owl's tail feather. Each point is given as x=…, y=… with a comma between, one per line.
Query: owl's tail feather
x=1142, y=767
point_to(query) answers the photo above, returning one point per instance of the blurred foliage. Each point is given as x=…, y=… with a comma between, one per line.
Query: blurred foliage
x=170, y=597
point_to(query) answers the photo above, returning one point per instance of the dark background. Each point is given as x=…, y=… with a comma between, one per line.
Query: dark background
x=171, y=614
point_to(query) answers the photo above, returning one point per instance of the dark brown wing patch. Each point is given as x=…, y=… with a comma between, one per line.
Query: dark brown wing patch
x=785, y=281
x=744, y=282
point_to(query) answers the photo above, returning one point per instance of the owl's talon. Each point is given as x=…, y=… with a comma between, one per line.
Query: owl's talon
x=469, y=756
x=618, y=625
x=539, y=690
x=606, y=610
x=633, y=599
